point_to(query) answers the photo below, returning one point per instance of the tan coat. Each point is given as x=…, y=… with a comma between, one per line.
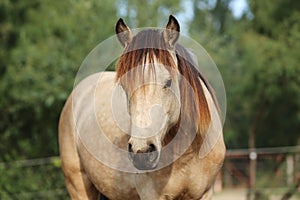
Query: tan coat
x=189, y=177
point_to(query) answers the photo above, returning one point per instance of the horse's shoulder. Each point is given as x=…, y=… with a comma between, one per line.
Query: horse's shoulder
x=94, y=79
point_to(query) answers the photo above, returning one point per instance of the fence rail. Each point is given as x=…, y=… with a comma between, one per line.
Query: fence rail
x=277, y=167
x=32, y=162
x=231, y=153
x=39, y=178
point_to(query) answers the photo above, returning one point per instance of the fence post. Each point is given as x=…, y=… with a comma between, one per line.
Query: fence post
x=289, y=170
x=252, y=165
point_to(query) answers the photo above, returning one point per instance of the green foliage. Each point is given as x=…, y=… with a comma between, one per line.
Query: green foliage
x=271, y=85
x=32, y=181
x=150, y=13
x=43, y=44
x=257, y=57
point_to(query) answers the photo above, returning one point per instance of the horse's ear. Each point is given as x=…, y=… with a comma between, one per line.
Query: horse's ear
x=171, y=33
x=123, y=32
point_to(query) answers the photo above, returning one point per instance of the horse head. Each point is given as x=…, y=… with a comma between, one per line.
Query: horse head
x=148, y=72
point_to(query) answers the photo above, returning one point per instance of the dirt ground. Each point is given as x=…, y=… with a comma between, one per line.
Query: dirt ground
x=230, y=194
x=240, y=194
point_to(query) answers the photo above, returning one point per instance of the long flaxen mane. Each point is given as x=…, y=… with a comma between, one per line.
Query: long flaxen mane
x=148, y=46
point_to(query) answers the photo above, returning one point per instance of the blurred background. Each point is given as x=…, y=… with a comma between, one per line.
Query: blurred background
x=254, y=43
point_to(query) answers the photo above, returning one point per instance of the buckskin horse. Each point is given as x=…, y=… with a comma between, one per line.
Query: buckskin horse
x=150, y=130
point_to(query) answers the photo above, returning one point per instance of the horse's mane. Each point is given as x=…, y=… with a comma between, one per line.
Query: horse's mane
x=193, y=101
x=151, y=43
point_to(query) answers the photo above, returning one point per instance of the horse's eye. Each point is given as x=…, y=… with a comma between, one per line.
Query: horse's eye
x=168, y=83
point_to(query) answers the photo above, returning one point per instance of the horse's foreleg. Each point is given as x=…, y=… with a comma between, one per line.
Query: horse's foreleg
x=78, y=184
x=79, y=187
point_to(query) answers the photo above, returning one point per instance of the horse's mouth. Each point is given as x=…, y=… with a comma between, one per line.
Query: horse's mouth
x=144, y=161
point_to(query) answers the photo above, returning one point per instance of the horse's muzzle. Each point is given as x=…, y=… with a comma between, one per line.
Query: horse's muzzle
x=144, y=160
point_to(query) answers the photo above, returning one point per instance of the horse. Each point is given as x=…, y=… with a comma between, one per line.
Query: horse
x=150, y=130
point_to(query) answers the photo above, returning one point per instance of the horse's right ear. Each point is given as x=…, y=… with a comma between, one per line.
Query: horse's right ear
x=123, y=32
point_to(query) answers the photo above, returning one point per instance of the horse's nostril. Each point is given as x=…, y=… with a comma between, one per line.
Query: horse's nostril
x=151, y=148
x=130, y=147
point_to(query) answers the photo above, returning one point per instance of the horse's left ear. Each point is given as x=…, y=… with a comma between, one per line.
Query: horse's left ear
x=123, y=32
x=171, y=33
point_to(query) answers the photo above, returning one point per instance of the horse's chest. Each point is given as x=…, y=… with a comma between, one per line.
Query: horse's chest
x=189, y=182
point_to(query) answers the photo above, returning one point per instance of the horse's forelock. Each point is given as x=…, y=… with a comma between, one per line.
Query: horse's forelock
x=146, y=48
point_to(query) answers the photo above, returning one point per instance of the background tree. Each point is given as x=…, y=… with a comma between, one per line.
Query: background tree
x=43, y=44
x=257, y=58
x=150, y=13
x=271, y=84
